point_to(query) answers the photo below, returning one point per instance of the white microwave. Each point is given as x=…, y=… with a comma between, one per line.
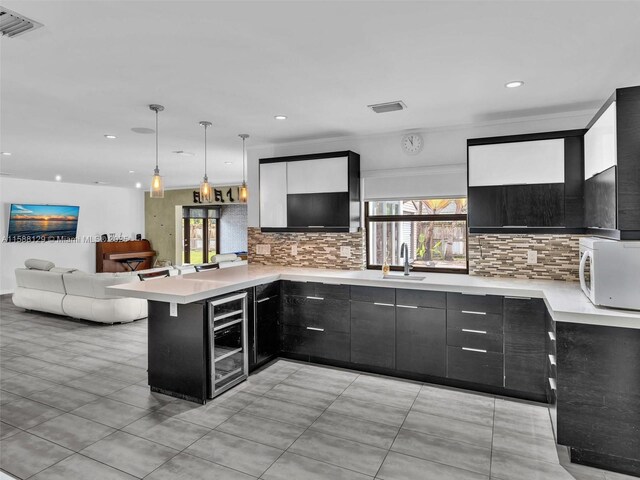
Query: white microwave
x=610, y=272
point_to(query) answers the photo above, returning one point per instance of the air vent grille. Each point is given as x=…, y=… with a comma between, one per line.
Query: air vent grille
x=388, y=107
x=12, y=24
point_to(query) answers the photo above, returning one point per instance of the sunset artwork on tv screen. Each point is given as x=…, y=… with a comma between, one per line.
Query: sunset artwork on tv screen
x=32, y=223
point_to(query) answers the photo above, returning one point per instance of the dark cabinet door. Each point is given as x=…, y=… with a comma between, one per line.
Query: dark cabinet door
x=318, y=209
x=421, y=340
x=600, y=200
x=540, y=205
x=525, y=344
x=373, y=332
x=267, y=336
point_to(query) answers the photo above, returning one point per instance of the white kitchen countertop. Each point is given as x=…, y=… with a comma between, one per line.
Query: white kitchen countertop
x=565, y=300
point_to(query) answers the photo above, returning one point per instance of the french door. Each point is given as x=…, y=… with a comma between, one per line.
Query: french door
x=200, y=235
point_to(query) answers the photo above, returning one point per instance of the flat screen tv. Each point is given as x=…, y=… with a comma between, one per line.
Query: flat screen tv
x=34, y=223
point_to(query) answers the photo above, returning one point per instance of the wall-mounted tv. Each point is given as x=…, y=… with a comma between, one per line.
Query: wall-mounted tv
x=33, y=223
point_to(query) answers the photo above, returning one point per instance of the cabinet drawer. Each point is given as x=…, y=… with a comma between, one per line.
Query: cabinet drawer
x=316, y=343
x=489, y=322
x=327, y=314
x=477, y=367
x=524, y=315
x=474, y=303
x=267, y=290
x=315, y=289
x=373, y=294
x=421, y=298
x=490, y=341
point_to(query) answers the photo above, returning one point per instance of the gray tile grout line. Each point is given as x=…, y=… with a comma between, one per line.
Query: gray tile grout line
x=493, y=429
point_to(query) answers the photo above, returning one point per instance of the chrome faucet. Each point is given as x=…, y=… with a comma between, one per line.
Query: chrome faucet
x=404, y=253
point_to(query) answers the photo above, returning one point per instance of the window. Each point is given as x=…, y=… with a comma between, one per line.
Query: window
x=200, y=234
x=435, y=231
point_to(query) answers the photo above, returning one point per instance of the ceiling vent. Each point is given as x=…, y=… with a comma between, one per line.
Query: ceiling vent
x=12, y=24
x=388, y=107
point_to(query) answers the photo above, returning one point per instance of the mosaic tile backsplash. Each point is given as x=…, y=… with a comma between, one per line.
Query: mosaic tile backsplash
x=316, y=250
x=493, y=255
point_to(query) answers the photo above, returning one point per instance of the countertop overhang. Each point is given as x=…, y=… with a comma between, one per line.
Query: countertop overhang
x=565, y=300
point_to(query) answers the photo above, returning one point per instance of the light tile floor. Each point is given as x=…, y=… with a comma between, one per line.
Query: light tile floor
x=75, y=405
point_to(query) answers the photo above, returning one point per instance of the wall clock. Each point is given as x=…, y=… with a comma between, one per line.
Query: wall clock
x=412, y=143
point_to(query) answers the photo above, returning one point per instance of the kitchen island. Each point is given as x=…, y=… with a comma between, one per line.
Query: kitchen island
x=537, y=340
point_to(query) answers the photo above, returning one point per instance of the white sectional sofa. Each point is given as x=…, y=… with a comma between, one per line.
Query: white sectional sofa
x=44, y=287
x=66, y=291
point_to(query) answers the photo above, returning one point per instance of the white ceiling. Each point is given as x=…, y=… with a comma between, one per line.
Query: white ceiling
x=96, y=65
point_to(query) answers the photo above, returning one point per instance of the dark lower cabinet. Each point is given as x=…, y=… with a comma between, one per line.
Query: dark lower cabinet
x=178, y=350
x=421, y=340
x=373, y=334
x=598, y=402
x=525, y=345
x=267, y=338
x=475, y=365
x=311, y=342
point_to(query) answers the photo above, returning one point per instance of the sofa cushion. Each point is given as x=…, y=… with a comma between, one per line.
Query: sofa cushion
x=93, y=284
x=63, y=270
x=224, y=257
x=40, y=280
x=37, y=264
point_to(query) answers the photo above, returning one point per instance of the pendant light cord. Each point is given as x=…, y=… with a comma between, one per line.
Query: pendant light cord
x=156, y=139
x=205, y=151
x=243, y=159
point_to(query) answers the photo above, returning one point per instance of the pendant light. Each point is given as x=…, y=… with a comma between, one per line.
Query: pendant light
x=157, y=183
x=205, y=188
x=244, y=194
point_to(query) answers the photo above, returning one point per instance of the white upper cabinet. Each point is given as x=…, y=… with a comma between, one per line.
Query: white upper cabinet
x=273, y=194
x=532, y=162
x=600, y=145
x=318, y=176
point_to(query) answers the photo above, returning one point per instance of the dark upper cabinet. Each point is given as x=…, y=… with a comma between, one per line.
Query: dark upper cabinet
x=308, y=193
x=373, y=334
x=612, y=167
x=525, y=182
x=421, y=340
x=511, y=206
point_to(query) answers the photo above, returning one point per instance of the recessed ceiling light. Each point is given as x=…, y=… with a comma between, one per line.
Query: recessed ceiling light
x=132, y=171
x=228, y=163
x=182, y=153
x=143, y=130
x=110, y=137
x=5, y=174
x=514, y=84
x=138, y=185
x=58, y=178
x=8, y=154
x=280, y=117
x=98, y=182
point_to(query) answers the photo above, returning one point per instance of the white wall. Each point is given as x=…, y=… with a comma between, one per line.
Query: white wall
x=103, y=209
x=381, y=155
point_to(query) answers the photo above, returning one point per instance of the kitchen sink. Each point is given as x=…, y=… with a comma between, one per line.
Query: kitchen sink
x=399, y=276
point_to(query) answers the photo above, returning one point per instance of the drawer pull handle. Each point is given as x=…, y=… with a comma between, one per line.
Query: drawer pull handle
x=384, y=304
x=552, y=383
x=518, y=298
x=406, y=306
x=552, y=336
x=552, y=359
x=474, y=294
x=484, y=332
x=264, y=299
x=315, y=298
x=474, y=313
x=315, y=329
x=474, y=350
